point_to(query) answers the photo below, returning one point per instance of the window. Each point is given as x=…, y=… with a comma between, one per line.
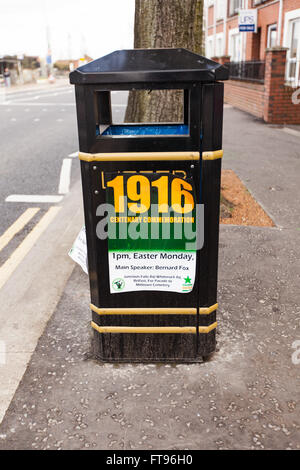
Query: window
x=235, y=50
x=219, y=44
x=234, y=6
x=272, y=36
x=220, y=9
x=293, y=54
x=209, y=47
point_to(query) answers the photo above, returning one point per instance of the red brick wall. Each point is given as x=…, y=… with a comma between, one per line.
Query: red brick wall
x=289, y=5
x=265, y=17
x=271, y=101
x=220, y=27
x=278, y=105
x=246, y=96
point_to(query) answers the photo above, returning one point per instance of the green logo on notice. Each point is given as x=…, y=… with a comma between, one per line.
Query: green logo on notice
x=187, y=286
x=118, y=284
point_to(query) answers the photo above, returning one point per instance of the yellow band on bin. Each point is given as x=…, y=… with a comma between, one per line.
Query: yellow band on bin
x=138, y=156
x=154, y=311
x=153, y=329
x=148, y=156
x=213, y=155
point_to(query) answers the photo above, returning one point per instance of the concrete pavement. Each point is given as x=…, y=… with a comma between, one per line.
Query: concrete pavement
x=33, y=287
x=246, y=397
x=39, y=220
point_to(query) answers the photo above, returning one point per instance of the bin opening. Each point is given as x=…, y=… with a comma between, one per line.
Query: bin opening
x=113, y=122
x=136, y=130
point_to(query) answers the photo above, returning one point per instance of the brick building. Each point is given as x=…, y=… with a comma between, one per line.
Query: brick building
x=264, y=66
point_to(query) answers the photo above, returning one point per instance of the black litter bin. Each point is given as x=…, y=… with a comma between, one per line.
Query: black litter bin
x=151, y=196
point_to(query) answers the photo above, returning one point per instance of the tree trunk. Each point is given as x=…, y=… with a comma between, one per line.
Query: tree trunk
x=163, y=24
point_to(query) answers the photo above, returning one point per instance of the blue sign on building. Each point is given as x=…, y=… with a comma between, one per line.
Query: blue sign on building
x=248, y=21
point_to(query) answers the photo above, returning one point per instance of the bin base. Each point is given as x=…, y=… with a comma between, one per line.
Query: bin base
x=153, y=348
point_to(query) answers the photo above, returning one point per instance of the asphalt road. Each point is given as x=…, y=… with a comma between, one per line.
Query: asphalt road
x=38, y=131
x=40, y=213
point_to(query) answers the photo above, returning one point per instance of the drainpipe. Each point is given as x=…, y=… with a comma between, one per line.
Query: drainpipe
x=279, y=23
x=225, y=28
x=244, y=34
x=215, y=27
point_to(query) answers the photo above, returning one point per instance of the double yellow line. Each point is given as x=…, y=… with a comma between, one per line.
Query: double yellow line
x=25, y=246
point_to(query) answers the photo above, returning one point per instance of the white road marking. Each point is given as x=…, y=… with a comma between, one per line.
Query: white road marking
x=37, y=97
x=33, y=198
x=291, y=131
x=59, y=120
x=13, y=119
x=65, y=176
x=2, y=95
x=36, y=119
x=36, y=104
x=17, y=226
x=19, y=254
x=16, y=94
x=73, y=155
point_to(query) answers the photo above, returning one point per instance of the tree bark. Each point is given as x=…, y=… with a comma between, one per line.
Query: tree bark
x=163, y=24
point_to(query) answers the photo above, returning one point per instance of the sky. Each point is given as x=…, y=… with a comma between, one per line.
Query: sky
x=75, y=27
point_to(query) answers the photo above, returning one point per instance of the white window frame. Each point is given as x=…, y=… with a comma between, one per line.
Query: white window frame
x=233, y=10
x=218, y=37
x=289, y=18
x=271, y=27
x=234, y=32
x=220, y=9
x=209, y=46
